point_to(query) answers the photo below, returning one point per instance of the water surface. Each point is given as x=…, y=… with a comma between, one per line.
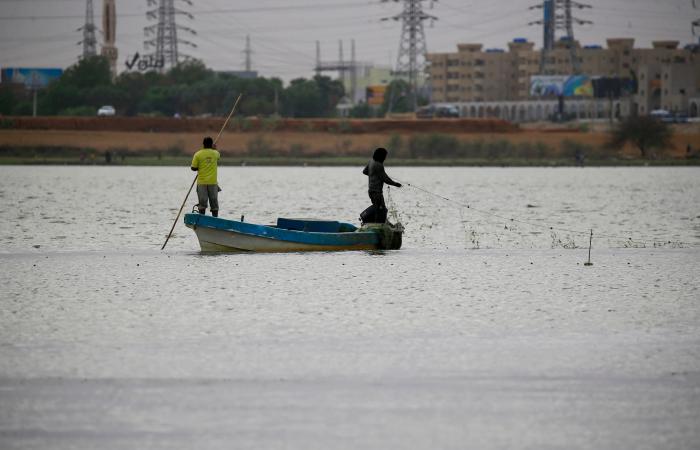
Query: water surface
x=481, y=332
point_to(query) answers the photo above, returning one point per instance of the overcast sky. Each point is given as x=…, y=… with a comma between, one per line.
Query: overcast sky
x=43, y=33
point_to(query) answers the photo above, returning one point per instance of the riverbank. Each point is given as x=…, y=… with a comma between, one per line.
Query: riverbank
x=447, y=145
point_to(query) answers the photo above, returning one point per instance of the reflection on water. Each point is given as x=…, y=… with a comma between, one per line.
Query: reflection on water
x=106, y=342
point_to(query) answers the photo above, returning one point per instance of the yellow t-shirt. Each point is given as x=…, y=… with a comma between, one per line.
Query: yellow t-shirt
x=206, y=160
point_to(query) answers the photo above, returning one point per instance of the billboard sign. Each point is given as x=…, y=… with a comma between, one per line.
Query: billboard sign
x=32, y=78
x=375, y=95
x=561, y=85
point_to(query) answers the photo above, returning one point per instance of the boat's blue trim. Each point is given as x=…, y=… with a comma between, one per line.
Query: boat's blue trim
x=338, y=239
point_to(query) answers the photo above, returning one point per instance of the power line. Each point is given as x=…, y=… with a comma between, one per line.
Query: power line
x=315, y=7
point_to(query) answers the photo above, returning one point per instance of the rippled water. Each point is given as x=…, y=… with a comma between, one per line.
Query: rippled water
x=481, y=332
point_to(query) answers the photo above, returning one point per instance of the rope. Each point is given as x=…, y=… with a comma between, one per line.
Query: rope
x=627, y=239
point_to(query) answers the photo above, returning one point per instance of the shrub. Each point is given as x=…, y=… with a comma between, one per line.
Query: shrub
x=297, y=149
x=434, y=145
x=84, y=111
x=243, y=124
x=260, y=146
x=270, y=123
x=644, y=132
x=395, y=144
x=344, y=126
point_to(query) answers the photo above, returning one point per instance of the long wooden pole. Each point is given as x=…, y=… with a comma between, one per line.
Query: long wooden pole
x=195, y=177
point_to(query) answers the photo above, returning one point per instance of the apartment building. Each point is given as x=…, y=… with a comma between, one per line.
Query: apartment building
x=668, y=76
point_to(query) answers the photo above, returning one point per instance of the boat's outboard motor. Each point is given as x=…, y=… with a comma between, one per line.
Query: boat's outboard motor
x=373, y=214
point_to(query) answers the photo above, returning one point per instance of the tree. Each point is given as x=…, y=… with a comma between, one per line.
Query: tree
x=88, y=73
x=7, y=100
x=361, y=111
x=397, y=97
x=644, y=132
x=189, y=72
x=331, y=91
x=302, y=98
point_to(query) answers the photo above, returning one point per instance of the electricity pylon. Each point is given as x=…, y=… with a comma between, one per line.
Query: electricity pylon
x=165, y=42
x=558, y=16
x=89, y=41
x=412, y=45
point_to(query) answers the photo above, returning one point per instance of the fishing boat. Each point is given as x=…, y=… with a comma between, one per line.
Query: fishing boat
x=291, y=235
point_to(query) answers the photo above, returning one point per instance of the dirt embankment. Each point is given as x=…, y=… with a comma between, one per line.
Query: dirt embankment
x=314, y=137
x=189, y=125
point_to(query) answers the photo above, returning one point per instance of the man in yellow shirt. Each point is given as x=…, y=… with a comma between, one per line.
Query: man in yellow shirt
x=205, y=163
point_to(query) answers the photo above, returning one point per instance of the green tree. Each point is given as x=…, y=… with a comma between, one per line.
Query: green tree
x=397, y=98
x=88, y=73
x=302, y=98
x=59, y=96
x=132, y=88
x=7, y=100
x=644, y=132
x=331, y=91
x=189, y=72
x=361, y=111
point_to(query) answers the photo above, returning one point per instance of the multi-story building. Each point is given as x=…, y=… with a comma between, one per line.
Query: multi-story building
x=668, y=77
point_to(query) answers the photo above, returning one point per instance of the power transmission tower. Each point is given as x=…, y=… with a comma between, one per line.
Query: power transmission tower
x=558, y=16
x=89, y=41
x=412, y=45
x=165, y=42
x=248, y=52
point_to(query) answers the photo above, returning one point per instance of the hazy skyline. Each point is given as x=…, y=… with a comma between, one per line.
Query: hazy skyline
x=43, y=33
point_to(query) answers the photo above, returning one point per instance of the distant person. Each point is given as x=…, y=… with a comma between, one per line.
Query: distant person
x=108, y=157
x=377, y=177
x=205, y=163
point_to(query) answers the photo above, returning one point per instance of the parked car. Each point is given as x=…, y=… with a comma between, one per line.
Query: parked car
x=430, y=111
x=447, y=111
x=106, y=110
x=425, y=112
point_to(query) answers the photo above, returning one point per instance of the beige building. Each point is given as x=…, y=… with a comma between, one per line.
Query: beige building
x=668, y=76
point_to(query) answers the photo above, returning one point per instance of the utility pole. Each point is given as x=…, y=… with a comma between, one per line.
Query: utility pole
x=696, y=23
x=344, y=68
x=248, y=52
x=165, y=43
x=109, y=27
x=412, y=45
x=353, y=72
x=317, y=69
x=89, y=41
x=558, y=16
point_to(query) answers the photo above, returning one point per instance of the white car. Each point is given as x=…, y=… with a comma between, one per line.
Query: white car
x=106, y=110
